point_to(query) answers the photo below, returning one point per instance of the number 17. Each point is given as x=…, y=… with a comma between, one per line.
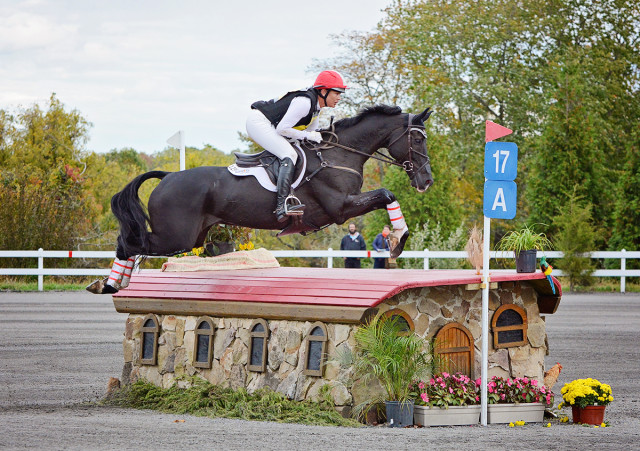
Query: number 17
x=497, y=157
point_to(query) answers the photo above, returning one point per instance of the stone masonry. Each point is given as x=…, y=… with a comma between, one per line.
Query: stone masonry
x=430, y=308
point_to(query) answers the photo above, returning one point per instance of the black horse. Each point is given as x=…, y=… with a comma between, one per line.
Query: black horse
x=186, y=204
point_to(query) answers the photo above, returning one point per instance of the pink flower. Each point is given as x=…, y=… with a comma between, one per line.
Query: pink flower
x=534, y=382
x=478, y=381
x=502, y=396
x=509, y=383
x=445, y=374
x=477, y=398
x=424, y=397
x=432, y=381
x=524, y=395
x=421, y=385
x=464, y=388
x=450, y=390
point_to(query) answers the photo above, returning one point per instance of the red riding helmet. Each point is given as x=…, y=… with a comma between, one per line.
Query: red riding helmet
x=330, y=79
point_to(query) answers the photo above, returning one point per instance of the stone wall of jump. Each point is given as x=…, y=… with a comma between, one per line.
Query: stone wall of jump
x=429, y=308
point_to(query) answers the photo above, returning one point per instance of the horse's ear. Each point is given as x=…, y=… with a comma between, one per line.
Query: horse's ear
x=422, y=117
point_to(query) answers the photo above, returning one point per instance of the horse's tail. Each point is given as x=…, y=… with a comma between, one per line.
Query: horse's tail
x=132, y=216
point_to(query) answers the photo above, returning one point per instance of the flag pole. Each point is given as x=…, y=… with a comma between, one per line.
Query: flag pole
x=486, y=233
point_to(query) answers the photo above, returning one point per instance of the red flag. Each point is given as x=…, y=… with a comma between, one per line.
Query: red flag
x=494, y=131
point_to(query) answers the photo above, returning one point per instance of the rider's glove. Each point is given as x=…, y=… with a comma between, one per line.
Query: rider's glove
x=315, y=137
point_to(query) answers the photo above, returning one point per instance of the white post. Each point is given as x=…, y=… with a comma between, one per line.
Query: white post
x=40, y=268
x=485, y=321
x=623, y=267
x=177, y=141
x=330, y=259
x=426, y=259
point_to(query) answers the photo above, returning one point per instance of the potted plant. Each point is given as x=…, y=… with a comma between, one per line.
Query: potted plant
x=524, y=243
x=588, y=399
x=221, y=239
x=447, y=400
x=520, y=399
x=386, y=351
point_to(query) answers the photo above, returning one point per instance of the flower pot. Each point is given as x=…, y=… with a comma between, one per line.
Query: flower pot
x=532, y=412
x=219, y=247
x=526, y=261
x=399, y=413
x=453, y=416
x=588, y=415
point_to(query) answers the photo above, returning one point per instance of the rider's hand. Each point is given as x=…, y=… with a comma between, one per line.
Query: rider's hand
x=315, y=137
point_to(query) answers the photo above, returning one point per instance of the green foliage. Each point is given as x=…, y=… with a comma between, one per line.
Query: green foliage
x=205, y=399
x=576, y=236
x=43, y=197
x=393, y=356
x=430, y=236
x=525, y=239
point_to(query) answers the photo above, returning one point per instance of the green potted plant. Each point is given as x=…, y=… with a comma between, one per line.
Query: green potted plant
x=222, y=239
x=524, y=243
x=396, y=358
x=588, y=399
x=447, y=400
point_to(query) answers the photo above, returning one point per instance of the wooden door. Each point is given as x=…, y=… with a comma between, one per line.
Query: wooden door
x=454, y=343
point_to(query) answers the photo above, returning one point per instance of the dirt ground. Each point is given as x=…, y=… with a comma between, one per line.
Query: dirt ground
x=57, y=351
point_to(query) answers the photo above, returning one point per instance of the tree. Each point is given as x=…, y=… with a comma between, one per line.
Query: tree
x=576, y=236
x=43, y=196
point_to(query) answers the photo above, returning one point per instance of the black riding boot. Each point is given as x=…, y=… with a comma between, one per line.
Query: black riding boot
x=285, y=177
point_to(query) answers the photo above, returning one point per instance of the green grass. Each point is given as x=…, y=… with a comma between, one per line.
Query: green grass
x=207, y=400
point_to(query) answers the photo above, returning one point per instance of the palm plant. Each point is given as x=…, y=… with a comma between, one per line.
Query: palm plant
x=385, y=350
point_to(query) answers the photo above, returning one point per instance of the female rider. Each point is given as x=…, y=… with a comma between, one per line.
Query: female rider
x=292, y=117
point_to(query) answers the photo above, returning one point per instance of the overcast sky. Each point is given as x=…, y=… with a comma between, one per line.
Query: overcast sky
x=140, y=70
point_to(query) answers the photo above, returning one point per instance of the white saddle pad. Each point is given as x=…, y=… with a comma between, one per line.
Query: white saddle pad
x=263, y=178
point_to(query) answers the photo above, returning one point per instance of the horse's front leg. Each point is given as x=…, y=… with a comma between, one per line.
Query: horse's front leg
x=360, y=204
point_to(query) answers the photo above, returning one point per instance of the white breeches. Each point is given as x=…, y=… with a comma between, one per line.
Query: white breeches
x=265, y=135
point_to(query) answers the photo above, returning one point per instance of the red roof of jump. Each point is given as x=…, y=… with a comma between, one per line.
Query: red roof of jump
x=312, y=286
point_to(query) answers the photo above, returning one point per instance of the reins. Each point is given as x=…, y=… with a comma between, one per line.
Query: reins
x=407, y=164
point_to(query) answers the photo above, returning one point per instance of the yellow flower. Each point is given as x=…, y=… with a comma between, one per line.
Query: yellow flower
x=511, y=425
x=610, y=398
x=520, y=423
x=548, y=425
x=603, y=425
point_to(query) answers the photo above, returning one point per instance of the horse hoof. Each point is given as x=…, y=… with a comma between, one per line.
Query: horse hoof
x=109, y=289
x=96, y=287
x=398, y=248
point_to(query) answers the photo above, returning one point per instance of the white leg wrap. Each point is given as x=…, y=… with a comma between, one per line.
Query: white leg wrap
x=126, y=276
x=117, y=272
x=397, y=220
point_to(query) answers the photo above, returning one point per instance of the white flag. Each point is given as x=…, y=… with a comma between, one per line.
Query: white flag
x=176, y=140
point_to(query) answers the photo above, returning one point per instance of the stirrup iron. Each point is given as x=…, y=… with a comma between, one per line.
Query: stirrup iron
x=296, y=208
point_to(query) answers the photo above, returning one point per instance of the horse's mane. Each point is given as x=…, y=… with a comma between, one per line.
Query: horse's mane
x=389, y=110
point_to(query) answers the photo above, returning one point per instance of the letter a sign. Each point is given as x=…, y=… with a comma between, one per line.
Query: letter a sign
x=500, y=170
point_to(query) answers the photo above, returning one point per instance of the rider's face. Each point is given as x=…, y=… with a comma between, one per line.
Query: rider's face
x=332, y=99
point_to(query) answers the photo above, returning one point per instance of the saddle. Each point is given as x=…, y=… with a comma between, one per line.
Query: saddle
x=264, y=166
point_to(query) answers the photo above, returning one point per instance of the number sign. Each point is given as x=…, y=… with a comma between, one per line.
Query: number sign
x=500, y=161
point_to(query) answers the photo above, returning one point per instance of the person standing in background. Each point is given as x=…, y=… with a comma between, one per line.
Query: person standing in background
x=353, y=241
x=381, y=243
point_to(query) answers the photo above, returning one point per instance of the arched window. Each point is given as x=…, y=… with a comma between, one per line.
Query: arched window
x=258, y=346
x=403, y=319
x=203, y=343
x=509, y=326
x=316, y=350
x=149, y=346
x=455, y=345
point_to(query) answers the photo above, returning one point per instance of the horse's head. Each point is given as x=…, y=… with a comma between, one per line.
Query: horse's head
x=408, y=146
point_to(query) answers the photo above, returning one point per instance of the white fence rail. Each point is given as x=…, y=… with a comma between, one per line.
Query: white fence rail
x=329, y=254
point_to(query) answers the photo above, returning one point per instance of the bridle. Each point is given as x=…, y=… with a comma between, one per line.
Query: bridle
x=407, y=164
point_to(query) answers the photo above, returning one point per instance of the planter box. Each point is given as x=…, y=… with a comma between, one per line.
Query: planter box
x=506, y=413
x=453, y=416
